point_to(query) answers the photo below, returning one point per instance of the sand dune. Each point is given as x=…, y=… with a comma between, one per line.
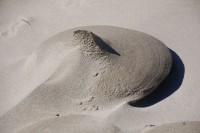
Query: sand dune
x=77, y=71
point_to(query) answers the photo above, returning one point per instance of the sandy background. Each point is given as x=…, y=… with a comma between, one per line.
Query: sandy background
x=24, y=25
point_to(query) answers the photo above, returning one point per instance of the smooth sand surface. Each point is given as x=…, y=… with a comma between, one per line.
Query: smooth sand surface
x=25, y=25
x=71, y=124
x=180, y=127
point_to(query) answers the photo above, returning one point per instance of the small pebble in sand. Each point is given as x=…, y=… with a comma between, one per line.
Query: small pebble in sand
x=149, y=125
x=90, y=99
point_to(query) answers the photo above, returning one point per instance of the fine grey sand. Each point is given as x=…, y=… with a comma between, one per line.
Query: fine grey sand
x=179, y=127
x=71, y=124
x=29, y=88
x=89, y=74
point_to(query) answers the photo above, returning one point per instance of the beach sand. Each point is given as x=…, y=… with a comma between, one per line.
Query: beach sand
x=37, y=58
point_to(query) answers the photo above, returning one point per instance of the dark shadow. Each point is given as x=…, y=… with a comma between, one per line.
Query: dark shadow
x=167, y=87
x=104, y=45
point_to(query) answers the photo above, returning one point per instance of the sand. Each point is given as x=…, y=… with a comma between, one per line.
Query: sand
x=180, y=127
x=25, y=25
x=72, y=124
x=99, y=79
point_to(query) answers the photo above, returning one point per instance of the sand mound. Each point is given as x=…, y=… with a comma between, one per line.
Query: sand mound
x=180, y=127
x=71, y=124
x=138, y=67
x=86, y=69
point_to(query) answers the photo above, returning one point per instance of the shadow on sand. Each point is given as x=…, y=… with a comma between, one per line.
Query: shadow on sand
x=167, y=87
x=104, y=45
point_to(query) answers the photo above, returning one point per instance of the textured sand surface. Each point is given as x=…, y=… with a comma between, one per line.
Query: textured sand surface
x=97, y=79
x=25, y=25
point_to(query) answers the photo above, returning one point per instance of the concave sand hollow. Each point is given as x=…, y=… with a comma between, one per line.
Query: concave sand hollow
x=85, y=69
